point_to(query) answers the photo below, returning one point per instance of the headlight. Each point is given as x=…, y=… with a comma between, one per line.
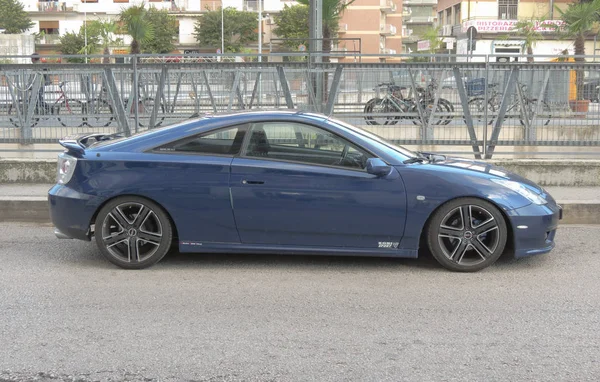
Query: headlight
x=521, y=190
x=66, y=168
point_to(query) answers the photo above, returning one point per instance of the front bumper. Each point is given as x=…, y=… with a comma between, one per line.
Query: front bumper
x=534, y=228
x=71, y=212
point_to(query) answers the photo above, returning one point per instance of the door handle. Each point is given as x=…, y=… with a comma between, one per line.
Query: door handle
x=253, y=182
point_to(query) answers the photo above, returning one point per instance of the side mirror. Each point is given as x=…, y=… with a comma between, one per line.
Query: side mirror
x=378, y=167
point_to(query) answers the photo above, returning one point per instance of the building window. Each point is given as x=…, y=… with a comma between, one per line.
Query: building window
x=507, y=9
x=457, y=16
x=49, y=27
x=449, y=15
x=441, y=18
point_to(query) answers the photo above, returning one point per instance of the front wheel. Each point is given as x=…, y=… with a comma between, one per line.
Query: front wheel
x=71, y=113
x=467, y=234
x=133, y=232
x=477, y=110
x=543, y=116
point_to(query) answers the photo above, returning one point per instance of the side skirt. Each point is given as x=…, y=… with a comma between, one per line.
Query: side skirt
x=198, y=247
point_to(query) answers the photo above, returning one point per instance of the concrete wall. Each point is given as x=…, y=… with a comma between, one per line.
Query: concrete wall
x=16, y=45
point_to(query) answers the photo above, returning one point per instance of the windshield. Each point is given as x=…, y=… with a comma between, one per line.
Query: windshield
x=377, y=138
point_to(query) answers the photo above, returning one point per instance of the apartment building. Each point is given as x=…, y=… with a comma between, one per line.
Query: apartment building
x=377, y=24
x=56, y=18
x=418, y=17
x=490, y=25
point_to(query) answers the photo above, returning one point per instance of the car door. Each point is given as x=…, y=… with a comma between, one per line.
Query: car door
x=301, y=185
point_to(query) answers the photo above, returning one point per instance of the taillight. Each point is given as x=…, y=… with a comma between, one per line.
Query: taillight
x=66, y=168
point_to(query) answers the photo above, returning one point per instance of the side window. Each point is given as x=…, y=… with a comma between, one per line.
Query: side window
x=227, y=141
x=303, y=143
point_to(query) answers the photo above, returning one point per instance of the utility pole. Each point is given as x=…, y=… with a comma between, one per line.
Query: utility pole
x=315, y=46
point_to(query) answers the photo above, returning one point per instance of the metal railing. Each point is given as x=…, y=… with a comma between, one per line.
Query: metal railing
x=479, y=105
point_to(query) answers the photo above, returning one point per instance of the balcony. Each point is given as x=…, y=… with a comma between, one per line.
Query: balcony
x=343, y=28
x=406, y=12
x=420, y=20
x=388, y=6
x=53, y=6
x=387, y=30
x=387, y=51
x=431, y=3
x=50, y=39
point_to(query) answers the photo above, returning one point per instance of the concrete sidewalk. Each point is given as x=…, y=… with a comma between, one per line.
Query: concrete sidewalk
x=28, y=202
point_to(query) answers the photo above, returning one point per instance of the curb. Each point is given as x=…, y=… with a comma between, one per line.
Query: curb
x=35, y=210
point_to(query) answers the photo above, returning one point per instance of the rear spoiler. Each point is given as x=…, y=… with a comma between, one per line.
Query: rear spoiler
x=76, y=144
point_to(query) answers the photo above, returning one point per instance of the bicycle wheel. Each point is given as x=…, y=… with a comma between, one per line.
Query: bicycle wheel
x=145, y=108
x=99, y=113
x=427, y=108
x=449, y=109
x=544, y=114
x=13, y=117
x=70, y=113
x=477, y=110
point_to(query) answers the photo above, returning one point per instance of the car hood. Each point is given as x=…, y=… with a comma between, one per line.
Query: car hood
x=489, y=169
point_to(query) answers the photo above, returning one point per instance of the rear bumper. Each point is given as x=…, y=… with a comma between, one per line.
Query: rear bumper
x=534, y=228
x=71, y=212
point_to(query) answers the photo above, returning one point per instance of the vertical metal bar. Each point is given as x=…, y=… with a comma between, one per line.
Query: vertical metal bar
x=117, y=102
x=418, y=103
x=158, y=97
x=135, y=94
x=312, y=102
x=34, y=98
x=486, y=100
x=196, y=97
x=436, y=101
x=276, y=85
x=210, y=95
x=254, y=90
x=523, y=109
x=236, y=82
x=15, y=100
x=512, y=79
x=239, y=92
x=464, y=100
x=285, y=87
x=333, y=93
x=532, y=135
x=177, y=90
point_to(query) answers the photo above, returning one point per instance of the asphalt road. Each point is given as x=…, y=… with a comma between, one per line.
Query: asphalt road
x=67, y=314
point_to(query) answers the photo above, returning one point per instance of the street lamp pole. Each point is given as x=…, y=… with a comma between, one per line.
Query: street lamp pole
x=85, y=33
x=222, y=29
x=259, y=31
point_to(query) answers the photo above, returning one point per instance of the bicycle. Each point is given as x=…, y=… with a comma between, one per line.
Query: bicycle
x=72, y=107
x=477, y=106
x=394, y=102
x=101, y=113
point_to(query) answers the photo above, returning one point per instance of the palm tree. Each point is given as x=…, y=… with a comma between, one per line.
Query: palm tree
x=527, y=30
x=432, y=35
x=332, y=13
x=105, y=30
x=580, y=20
x=137, y=26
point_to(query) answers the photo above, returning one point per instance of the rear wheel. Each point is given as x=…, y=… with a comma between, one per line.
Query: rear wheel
x=477, y=109
x=467, y=234
x=133, y=232
x=71, y=113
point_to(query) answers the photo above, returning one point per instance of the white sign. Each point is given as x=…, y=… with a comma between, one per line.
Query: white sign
x=502, y=26
x=423, y=45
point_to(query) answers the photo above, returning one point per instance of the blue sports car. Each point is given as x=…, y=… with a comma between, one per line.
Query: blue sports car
x=290, y=183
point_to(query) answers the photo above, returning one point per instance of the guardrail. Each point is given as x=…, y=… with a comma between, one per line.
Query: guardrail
x=481, y=105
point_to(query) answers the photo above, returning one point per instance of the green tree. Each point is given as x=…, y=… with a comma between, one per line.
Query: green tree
x=432, y=35
x=73, y=43
x=332, y=13
x=580, y=20
x=292, y=23
x=13, y=19
x=526, y=29
x=239, y=29
x=165, y=31
x=104, y=31
x=137, y=25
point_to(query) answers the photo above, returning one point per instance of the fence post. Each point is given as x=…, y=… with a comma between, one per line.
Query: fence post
x=335, y=86
x=532, y=133
x=116, y=101
x=254, y=90
x=210, y=95
x=158, y=98
x=512, y=79
x=135, y=94
x=464, y=100
x=34, y=99
x=436, y=101
x=419, y=106
x=285, y=88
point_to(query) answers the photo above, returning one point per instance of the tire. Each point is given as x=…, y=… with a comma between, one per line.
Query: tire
x=383, y=106
x=531, y=104
x=427, y=106
x=449, y=108
x=467, y=245
x=99, y=113
x=71, y=110
x=14, y=118
x=476, y=107
x=133, y=232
